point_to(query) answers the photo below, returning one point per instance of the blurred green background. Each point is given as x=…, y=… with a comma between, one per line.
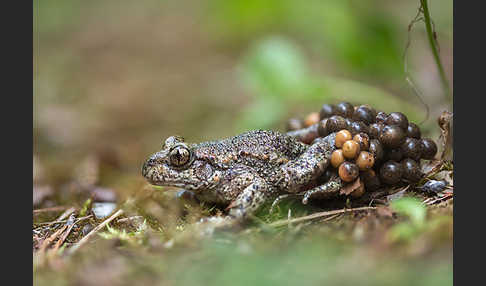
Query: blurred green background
x=113, y=79
x=123, y=75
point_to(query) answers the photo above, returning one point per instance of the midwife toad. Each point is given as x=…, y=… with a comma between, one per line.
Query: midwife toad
x=246, y=170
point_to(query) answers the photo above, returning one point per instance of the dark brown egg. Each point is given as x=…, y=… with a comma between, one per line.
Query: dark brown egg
x=357, y=127
x=326, y=176
x=413, y=131
x=392, y=136
x=350, y=149
x=327, y=111
x=337, y=158
x=349, y=121
x=397, y=119
x=363, y=140
x=375, y=130
x=341, y=137
x=345, y=109
x=294, y=124
x=376, y=149
x=394, y=155
x=365, y=161
x=391, y=172
x=370, y=179
x=412, y=148
x=429, y=148
x=381, y=117
x=311, y=119
x=348, y=171
x=365, y=114
x=411, y=170
x=335, y=123
x=322, y=128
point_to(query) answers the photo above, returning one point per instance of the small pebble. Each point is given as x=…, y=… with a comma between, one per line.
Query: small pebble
x=434, y=186
x=102, y=210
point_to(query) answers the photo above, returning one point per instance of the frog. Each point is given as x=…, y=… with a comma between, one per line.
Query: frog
x=245, y=171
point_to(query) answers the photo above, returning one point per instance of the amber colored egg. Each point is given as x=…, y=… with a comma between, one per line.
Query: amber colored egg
x=341, y=137
x=350, y=149
x=311, y=119
x=365, y=161
x=363, y=140
x=337, y=158
x=348, y=171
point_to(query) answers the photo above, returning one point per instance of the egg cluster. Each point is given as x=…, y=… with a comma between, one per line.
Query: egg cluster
x=380, y=148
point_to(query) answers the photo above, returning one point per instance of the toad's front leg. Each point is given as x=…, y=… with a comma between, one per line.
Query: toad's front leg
x=252, y=193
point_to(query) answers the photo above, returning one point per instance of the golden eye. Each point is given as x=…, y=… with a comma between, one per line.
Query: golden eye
x=179, y=156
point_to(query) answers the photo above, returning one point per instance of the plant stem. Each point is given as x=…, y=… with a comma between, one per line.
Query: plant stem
x=430, y=35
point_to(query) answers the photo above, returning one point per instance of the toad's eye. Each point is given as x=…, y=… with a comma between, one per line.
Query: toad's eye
x=179, y=156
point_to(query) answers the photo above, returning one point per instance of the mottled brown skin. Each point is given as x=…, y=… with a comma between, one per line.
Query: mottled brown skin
x=244, y=171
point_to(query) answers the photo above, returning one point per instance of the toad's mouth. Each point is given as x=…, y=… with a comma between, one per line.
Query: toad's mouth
x=160, y=175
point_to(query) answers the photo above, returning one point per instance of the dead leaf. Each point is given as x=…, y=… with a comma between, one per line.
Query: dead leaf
x=446, y=176
x=431, y=167
x=444, y=121
x=397, y=194
x=351, y=187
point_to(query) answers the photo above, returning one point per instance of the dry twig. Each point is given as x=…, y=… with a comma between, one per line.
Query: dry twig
x=318, y=215
x=85, y=239
x=52, y=209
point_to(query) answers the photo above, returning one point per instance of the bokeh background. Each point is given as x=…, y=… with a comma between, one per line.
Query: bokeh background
x=113, y=79
x=123, y=75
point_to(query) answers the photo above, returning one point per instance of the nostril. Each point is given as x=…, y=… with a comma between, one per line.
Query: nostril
x=147, y=164
x=152, y=161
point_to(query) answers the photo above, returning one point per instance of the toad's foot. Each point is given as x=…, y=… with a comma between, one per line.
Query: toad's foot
x=329, y=189
x=280, y=198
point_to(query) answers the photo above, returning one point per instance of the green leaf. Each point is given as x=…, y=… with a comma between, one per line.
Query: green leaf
x=412, y=208
x=262, y=114
x=274, y=67
x=403, y=232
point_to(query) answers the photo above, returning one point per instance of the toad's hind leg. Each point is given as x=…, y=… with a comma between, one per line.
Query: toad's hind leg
x=308, y=166
x=328, y=189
